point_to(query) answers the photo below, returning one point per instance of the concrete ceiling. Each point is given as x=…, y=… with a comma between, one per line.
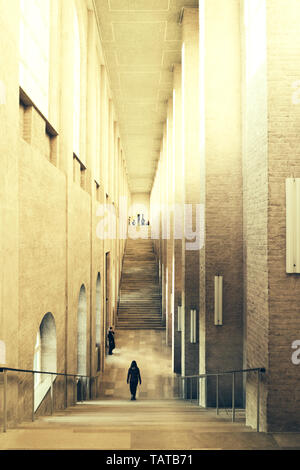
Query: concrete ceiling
x=141, y=41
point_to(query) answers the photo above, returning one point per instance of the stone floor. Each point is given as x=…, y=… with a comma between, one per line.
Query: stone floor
x=156, y=421
x=153, y=357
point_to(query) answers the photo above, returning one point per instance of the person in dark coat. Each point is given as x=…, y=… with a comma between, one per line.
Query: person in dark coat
x=111, y=340
x=133, y=377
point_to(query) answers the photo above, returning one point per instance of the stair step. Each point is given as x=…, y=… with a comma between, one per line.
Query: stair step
x=140, y=297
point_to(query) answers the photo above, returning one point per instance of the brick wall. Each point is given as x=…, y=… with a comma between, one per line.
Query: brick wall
x=255, y=202
x=283, y=18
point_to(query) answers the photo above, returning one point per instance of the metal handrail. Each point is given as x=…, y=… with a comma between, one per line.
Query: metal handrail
x=258, y=370
x=200, y=376
x=4, y=370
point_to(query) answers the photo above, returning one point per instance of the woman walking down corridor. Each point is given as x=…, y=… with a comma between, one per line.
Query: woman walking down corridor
x=133, y=377
x=111, y=340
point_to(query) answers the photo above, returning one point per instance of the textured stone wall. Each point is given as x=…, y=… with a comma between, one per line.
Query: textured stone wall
x=9, y=192
x=48, y=242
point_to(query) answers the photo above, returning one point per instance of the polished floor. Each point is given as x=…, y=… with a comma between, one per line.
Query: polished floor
x=156, y=421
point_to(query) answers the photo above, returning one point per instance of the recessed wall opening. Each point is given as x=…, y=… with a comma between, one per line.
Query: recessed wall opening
x=98, y=321
x=81, y=340
x=45, y=358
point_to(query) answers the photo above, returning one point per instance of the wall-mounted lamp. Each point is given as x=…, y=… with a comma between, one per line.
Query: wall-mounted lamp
x=218, y=300
x=193, y=314
x=179, y=317
x=292, y=186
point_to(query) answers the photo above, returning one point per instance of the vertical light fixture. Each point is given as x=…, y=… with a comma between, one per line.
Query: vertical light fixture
x=292, y=225
x=218, y=300
x=179, y=317
x=193, y=326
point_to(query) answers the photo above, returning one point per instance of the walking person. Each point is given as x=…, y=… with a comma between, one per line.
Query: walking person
x=111, y=340
x=133, y=377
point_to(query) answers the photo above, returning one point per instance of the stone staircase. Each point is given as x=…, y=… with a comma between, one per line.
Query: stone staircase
x=140, y=298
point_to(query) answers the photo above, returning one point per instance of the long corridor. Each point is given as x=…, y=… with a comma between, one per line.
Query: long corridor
x=156, y=421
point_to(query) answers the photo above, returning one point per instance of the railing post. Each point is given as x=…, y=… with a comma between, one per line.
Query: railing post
x=197, y=379
x=32, y=416
x=233, y=397
x=81, y=384
x=51, y=394
x=258, y=401
x=4, y=400
x=191, y=388
x=217, y=395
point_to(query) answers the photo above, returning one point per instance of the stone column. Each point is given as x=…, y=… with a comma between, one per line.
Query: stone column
x=164, y=225
x=91, y=104
x=170, y=216
x=178, y=213
x=67, y=87
x=221, y=346
x=191, y=157
x=91, y=155
x=66, y=154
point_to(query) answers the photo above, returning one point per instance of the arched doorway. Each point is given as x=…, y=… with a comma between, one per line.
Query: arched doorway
x=45, y=358
x=81, y=340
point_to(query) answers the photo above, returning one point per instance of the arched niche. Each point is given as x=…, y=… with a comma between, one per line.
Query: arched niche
x=45, y=357
x=81, y=332
x=98, y=321
x=98, y=310
x=48, y=343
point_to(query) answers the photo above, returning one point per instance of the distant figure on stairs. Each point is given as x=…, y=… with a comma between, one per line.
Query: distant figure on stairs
x=111, y=340
x=133, y=377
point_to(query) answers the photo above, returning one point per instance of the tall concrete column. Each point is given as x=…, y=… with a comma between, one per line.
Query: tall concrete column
x=67, y=89
x=178, y=213
x=66, y=151
x=91, y=110
x=104, y=131
x=191, y=157
x=221, y=346
x=91, y=154
x=170, y=217
x=164, y=225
